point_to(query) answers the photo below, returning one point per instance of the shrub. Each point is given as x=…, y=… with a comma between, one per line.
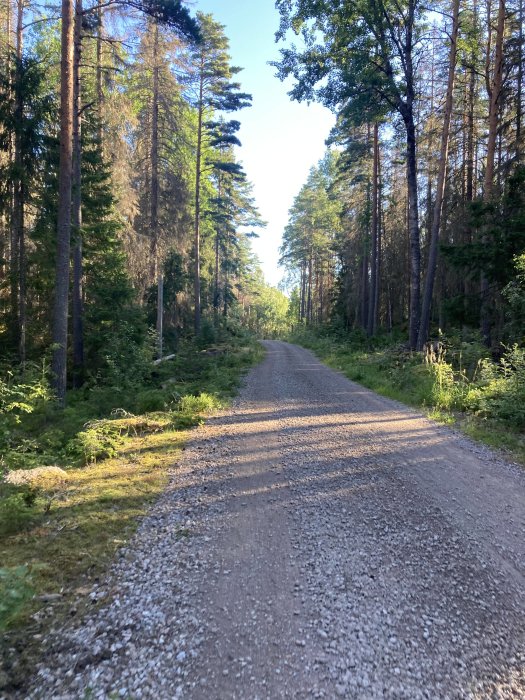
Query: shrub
x=207, y=335
x=150, y=401
x=127, y=359
x=15, y=589
x=20, y=395
x=445, y=392
x=16, y=509
x=203, y=403
x=100, y=440
x=190, y=408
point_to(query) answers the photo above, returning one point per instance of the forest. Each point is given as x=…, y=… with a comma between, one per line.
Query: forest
x=117, y=132
x=130, y=298
x=125, y=227
x=410, y=232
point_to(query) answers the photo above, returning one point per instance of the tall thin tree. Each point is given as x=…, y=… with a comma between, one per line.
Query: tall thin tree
x=60, y=310
x=440, y=185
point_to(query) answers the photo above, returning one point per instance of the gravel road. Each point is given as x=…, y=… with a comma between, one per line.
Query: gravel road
x=317, y=541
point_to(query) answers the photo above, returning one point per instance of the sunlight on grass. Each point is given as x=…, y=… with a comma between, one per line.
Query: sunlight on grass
x=58, y=538
x=439, y=390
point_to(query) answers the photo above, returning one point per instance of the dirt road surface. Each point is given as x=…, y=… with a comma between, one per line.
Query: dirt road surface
x=317, y=541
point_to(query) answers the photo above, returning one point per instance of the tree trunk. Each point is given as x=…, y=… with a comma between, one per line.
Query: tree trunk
x=18, y=262
x=217, y=250
x=406, y=110
x=519, y=105
x=197, y=243
x=60, y=312
x=5, y=241
x=377, y=291
x=76, y=209
x=440, y=185
x=100, y=92
x=494, y=86
x=226, y=281
x=371, y=325
x=413, y=232
x=470, y=133
x=160, y=313
x=364, y=284
x=303, y=290
x=156, y=268
x=309, y=302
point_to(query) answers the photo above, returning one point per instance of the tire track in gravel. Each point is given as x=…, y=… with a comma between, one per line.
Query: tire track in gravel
x=317, y=541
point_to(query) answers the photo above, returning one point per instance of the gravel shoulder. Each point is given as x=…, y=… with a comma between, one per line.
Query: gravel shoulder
x=317, y=541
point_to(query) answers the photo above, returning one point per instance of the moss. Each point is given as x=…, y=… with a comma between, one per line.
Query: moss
x=54, y=546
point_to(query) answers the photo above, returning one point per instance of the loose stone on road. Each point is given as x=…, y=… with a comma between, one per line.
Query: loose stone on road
x=317, y=541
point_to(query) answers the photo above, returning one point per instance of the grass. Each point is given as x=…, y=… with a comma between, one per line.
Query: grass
x=397, y=374
x=495, y=435
x=56, y=542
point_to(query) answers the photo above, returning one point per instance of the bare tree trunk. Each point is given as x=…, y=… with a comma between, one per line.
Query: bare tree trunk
x=379, y=243
x=321, y=295
x=364, y=285
x=100, y=92
x=18, y=262
x=217, y=250
x=226, y=282
x=413, y=234
x=76, y=210
x=494, y=86
x=156, y=268
x=6, y=238
x=470, y=133
x=303, y=290
x=160, y=313
x=519, y=106
x=197, y=244
x=371, y=325
x=407, y=113
x=431, y=132
x=60, y=314
x=309, y=302
x=440, y=185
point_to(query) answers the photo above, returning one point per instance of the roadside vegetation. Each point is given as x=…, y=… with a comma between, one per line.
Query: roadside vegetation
x=75, y=481
x=456, y=381
x=410, y=232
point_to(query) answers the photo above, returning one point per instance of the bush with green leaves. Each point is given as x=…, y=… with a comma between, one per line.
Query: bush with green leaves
x=16, y=509
x=151, y=400
x=100, y=439
x=499, y=393
x=514, y=294
x=21, y=394
x=127, y=359
x=190, y=408
x=15, y=590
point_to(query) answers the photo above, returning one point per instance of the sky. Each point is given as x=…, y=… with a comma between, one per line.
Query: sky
x=281, y=139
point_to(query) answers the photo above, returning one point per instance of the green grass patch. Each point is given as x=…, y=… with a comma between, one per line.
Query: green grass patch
x=485, y=400
x=495, y=435
x=58, y=536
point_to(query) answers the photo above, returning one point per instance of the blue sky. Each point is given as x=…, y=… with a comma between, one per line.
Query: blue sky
x=281, y=139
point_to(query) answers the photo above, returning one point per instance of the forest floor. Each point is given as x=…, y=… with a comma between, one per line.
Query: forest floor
x=316, y=540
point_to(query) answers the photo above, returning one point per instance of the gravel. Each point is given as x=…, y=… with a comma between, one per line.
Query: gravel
x=317, y=541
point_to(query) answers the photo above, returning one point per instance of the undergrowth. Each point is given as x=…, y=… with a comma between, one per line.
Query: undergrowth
x=462, y=385
x=114, y=448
